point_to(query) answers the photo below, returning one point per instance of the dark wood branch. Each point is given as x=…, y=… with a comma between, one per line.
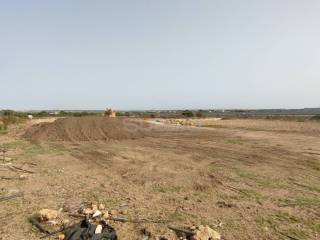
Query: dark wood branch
x=180, y=230
x=34, y=221
x=138, y=220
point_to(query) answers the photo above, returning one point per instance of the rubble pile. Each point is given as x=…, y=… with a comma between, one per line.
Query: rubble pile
x=205, y=233
x=95, y=225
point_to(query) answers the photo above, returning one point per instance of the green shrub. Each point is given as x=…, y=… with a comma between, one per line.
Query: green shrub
x=2, y=127
x=187, y=113
x=315, y=118
x=200, y=114
x=8, y=117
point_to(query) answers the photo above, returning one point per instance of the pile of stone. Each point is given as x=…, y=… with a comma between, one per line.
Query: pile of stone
x=205, y=233
x=98, y=216
x=96, y=211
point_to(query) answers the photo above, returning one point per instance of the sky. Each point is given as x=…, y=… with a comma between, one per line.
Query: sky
x=165, y=54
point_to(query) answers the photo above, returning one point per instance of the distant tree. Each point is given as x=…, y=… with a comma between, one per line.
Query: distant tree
x=108, y=112
x=8, y=113
x=315, y=118
x=187, y=113
x=63, y=113
x=200, y=114
x=41, y=114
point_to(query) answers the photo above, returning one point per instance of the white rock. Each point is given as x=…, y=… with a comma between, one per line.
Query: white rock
x=52, y=222
x=97, y=213
x=98, y=229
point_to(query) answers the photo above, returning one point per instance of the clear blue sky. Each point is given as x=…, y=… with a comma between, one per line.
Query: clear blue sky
x=166, y=54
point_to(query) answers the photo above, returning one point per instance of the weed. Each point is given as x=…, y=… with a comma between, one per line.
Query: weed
x=316, y=227
x=28, y=150
x=300, y=202
x=308, y=187
x=167, y=189
x=182, y=216
x=259, y=180
x=296, y=232
x=251, y=194
x=284, y=217
x=315, y=118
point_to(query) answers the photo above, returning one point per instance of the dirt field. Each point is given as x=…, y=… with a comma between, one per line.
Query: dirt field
x=247, y=179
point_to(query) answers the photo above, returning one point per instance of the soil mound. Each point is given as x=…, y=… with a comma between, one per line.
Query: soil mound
x=85, y=129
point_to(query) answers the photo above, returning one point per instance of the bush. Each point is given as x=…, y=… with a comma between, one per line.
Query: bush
x=10, y=117
x=41, y=114
x=8, y=120
x=13, y=113
x=187, y=113
x=315, y=118
x=2, y=127
x=200, y=114
x=81, y=114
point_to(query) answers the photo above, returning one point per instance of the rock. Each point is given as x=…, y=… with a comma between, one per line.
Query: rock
x=48, y=215
x=98, y=229
x=124, y=211
x=61, y=236
x=101, y=206
x=65, y=221
x=87, y=211
x=97, y=213
x=105, y=215
x=193, y=228
x=113, y=212
x=205, y=233
x=52, y=222
x=94, y=207
x=146, y=232
x=22, y=177
x=225, y=205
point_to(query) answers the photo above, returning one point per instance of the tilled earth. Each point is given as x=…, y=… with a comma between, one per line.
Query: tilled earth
x=245, y=182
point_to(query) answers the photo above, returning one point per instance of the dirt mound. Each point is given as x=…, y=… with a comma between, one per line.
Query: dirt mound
x=86, y=129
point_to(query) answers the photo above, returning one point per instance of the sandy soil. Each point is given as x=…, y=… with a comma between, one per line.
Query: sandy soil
x=248, y=179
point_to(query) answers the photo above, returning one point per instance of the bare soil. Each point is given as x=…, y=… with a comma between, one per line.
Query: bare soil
x=83, y=129
x=247, y=179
